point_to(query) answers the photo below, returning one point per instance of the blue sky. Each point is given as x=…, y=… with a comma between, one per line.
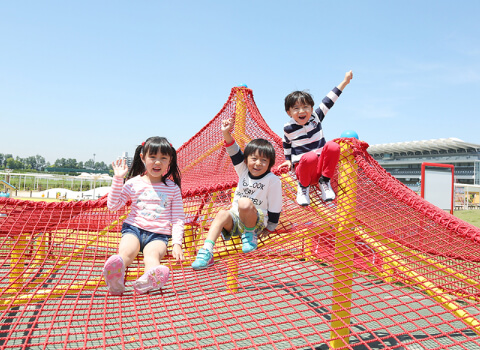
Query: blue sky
x=99, y=77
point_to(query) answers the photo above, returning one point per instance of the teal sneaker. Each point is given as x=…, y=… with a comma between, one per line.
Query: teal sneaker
x=203, y=260
x=249, y=242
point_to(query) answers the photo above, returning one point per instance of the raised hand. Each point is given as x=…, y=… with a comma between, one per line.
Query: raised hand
x=346, y=80
x=348, y=76
x=227, y=125
x=120, y=168
x=226, y=128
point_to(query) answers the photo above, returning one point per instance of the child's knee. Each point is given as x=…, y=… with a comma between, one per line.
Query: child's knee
x=308, y=159
x=246, y=205
x=332, y=147
x=222, y=215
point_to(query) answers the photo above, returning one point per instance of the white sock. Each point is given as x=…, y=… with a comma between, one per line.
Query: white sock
x=208, y=245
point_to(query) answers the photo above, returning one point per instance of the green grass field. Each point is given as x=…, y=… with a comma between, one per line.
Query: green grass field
x=470, y=216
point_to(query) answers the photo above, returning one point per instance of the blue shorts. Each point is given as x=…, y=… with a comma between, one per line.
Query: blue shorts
x=238, y=225
x=144, y=237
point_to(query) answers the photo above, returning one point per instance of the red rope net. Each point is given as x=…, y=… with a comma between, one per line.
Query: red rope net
x=377, y=268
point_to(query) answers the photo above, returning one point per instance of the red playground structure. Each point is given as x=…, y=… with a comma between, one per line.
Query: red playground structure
x=377, y=268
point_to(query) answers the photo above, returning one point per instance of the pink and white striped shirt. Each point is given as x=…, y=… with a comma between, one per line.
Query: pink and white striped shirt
x=155, y=207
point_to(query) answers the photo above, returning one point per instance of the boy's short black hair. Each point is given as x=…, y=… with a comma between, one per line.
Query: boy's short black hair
x=294, y=97
x=264, y=149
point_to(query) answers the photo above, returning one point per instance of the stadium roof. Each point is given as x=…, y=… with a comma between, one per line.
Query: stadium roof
x=452, y=144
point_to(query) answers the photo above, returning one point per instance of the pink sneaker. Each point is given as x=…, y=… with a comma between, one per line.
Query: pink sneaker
x=154, y=278
x=114, y=274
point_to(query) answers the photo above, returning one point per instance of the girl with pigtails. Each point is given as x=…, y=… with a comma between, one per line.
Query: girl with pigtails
x=156, y=215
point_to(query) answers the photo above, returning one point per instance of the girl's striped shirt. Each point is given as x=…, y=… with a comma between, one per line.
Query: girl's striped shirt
x=155, y=207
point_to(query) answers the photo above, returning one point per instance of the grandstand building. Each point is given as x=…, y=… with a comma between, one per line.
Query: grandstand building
x=404, y=159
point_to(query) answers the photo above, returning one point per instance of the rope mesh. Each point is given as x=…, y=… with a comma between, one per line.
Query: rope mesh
x=377, y=268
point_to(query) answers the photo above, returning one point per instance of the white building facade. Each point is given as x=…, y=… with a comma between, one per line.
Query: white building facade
x=404, y=159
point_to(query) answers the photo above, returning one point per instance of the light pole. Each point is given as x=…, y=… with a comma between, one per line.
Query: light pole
x=94, y=179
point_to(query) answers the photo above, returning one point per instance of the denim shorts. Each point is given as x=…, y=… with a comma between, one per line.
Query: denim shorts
x=144, y=237
x=237, y=224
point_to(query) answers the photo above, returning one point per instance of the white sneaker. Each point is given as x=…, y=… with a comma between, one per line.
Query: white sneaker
x=327, y=191
x=303, y=197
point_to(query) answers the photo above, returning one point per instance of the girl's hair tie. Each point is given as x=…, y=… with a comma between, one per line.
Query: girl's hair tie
x=143, y=143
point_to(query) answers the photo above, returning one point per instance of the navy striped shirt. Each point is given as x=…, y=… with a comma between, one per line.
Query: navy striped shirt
x=300, y=139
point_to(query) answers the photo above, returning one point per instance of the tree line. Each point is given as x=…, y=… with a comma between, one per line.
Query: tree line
x=38, y=163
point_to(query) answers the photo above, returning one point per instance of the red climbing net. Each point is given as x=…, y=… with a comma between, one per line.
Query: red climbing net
x=377, y=268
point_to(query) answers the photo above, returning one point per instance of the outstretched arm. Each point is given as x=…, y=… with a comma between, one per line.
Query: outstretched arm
x=346, y=81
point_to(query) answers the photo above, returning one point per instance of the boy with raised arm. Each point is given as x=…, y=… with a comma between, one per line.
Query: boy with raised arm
x=304, y=144
x=257, y=202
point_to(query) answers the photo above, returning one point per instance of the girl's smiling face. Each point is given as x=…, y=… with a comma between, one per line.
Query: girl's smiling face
x=156, y=165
